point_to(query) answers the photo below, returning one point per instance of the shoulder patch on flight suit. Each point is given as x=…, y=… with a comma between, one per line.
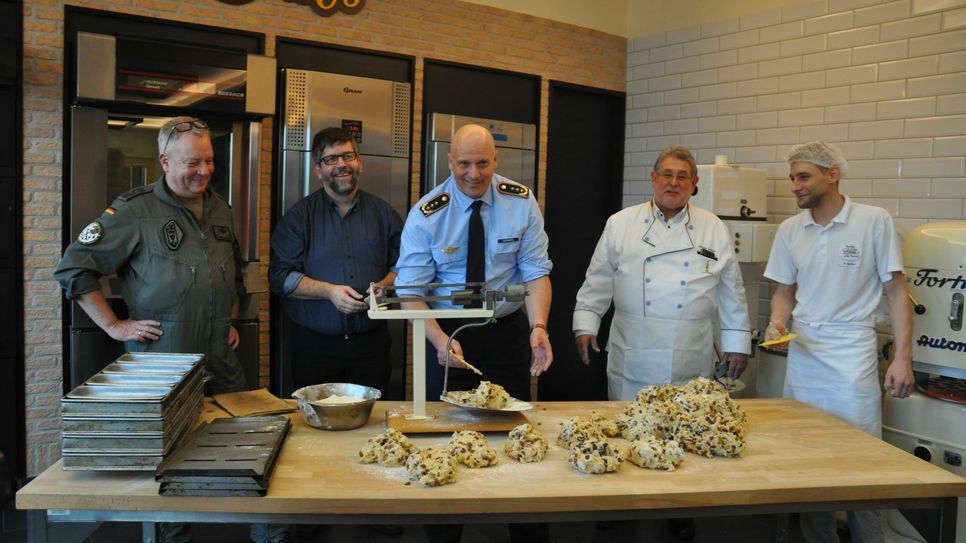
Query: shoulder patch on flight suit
x=222, y=233
x=513, y=189
x=135, y=192
x=91, y=234
x=435, y=204
x=172, y=234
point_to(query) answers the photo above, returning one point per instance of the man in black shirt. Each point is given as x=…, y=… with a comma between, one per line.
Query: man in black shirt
x=325, y=251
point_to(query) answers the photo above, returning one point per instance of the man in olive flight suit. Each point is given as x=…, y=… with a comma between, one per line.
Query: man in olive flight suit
x=173, y=248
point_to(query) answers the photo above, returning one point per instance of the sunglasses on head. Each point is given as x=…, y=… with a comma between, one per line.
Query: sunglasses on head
x=184, y=126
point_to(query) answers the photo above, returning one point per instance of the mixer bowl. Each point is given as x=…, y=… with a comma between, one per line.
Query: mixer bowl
x=336, y=416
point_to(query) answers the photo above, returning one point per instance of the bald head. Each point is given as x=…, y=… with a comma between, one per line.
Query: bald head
x=474, y=136
x=472, y=159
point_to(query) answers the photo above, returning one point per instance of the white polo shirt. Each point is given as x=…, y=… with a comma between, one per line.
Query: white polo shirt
x=839, y=268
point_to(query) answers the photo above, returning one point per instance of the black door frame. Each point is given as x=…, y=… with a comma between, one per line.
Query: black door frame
x=572, y=231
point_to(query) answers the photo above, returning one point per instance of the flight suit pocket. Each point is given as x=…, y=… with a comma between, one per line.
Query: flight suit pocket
x=170, y=282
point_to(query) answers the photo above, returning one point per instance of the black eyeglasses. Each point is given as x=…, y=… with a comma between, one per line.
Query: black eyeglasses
x=185, y=126
x=680, y=176
x=330, y=160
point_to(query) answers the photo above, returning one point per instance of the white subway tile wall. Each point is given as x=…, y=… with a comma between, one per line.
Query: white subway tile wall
x=883, y=80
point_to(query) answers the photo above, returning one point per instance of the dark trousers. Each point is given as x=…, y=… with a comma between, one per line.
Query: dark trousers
x=500, y=350
x=362, y=359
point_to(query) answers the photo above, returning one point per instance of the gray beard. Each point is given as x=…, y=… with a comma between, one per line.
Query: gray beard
x=336, y=188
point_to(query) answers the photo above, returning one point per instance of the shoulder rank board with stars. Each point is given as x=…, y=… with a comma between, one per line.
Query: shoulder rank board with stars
x=513, y=189
x=435, y=204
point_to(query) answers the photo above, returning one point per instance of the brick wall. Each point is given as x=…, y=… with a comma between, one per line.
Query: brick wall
x=442, y=29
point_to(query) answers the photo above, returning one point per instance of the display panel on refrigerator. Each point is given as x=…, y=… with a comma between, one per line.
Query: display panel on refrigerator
x=375, y=111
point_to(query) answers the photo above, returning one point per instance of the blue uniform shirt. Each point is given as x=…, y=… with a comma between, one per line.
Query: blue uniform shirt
x=434, y=245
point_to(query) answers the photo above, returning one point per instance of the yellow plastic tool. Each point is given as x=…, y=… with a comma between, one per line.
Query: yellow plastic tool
x=778, y=341
x=469, y=366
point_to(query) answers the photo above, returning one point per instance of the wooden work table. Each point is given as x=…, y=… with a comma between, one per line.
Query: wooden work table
x=797, y=459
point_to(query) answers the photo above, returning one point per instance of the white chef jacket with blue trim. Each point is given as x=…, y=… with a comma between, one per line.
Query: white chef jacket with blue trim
x=434, y=246
x=666, y=278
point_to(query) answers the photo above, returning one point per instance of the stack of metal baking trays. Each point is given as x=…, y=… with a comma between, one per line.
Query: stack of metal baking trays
x=226, y=457
x=131, y=414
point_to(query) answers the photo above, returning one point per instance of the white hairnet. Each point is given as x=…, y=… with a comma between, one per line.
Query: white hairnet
x=818, y=153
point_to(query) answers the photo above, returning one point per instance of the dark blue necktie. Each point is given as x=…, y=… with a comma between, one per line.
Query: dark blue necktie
x=475, y=265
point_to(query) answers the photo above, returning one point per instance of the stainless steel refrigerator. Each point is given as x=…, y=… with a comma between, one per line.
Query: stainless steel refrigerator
x=516, y=145
x=377, y=112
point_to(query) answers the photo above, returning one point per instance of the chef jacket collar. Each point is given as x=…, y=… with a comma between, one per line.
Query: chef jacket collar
x=681, y=216
x=842, y=217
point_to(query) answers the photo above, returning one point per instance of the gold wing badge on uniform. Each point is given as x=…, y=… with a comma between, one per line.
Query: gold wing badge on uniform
x=512, y=189
x=435, y=204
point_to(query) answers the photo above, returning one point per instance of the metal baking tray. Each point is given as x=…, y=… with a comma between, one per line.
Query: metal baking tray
x=147, y=367
x=127, y=407
x=124, y=434
x=104, y=462
x=136, y=379
x=119, y=444
x=98, y=393
x=161, y=358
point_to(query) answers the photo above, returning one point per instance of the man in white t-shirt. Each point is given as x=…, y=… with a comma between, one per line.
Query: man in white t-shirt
x=832, y=262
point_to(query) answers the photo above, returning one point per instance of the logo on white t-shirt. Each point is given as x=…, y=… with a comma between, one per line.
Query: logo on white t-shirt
x=849, y=256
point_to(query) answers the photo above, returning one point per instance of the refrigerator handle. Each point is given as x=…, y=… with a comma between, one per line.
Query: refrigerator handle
x=250, y=198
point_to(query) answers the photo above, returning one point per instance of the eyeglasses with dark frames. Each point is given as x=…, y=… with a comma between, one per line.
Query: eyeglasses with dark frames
x=186, y=126
x=680, y=176
x=331, y=160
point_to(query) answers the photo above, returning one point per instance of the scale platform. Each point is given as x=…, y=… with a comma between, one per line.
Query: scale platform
x=450, y=418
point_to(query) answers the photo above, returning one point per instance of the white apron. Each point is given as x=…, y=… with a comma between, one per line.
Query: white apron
x=834, y=367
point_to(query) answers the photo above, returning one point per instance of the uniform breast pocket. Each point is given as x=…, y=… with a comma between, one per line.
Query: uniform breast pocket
x=166, y=284
x=505, y=246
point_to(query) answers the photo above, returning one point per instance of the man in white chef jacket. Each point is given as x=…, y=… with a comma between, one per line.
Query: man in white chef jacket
x=668, y=266
x=832, y=262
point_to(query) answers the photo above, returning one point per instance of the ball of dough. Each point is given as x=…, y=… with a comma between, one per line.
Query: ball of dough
x=595, y=455
x=390, y=448
x=577, y=430
x=652, y=453
x=431, y=467
x=525, y=444
x=471, y=449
